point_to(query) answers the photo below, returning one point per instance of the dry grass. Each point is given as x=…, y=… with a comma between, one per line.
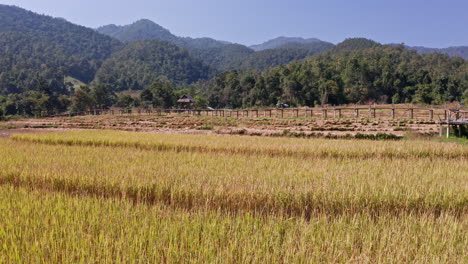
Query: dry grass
x=124, y=197
x=39, y=227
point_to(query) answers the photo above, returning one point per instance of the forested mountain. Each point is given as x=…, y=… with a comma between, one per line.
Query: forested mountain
x=227, y=57
x=461, y=51
x=144, y=29
x=220, y=55
x=353, y=44
x=46, y=64
x=34, y=47
x=280, y=41
x=379, y=73
x=265, y=59
x=141, y=63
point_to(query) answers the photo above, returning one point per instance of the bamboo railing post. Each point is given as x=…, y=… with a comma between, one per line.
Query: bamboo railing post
x=325, y=113
x=411, y=113
x=393, y=113
x=356, y=113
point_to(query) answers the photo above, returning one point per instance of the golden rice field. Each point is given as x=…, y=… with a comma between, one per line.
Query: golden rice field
x=121, y=197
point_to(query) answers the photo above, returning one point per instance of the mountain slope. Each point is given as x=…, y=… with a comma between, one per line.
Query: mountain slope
x=144, y=29
x=287, y=53
x=220, y=55
x=280, y=41
x=143, y=62
x=356, y=74
x=140, y=30
x=461, y=51
x=36, y=47
x=74, y=39
x=353, y=44
x=227, y=57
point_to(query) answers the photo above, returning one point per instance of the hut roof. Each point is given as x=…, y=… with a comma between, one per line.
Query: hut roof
x=186, y=99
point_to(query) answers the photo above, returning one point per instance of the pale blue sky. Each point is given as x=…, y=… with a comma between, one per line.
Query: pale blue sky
x=414, y=22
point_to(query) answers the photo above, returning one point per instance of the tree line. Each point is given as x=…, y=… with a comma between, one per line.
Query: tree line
x=379, y=74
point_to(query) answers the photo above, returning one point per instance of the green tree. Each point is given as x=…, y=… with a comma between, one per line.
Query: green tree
x=200, y=102
x=82, y=100
x=162, y=93
x=103, y=96
x=125, y=101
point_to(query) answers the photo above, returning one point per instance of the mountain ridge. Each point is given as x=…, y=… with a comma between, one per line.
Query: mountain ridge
x=280, y=41
x=144, y=29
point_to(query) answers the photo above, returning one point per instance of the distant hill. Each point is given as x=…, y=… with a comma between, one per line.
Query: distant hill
x=353, y=44
x=37, y=49
x=140, y=30
x=356, y=71
x=34, y=47
x=280, y=41
x=141, y=63
x=461, y=51
x=287, y=53
x=144, y=29
x=220, y=55
x=227, y=57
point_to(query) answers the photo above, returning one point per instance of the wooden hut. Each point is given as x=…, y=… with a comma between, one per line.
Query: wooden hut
x=186, y=102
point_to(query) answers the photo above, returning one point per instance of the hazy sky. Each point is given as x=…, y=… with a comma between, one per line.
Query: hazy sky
x=414, y=22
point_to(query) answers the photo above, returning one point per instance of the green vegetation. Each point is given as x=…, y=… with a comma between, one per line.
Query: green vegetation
x=40, y=47
x=226, y=57
x=351, y=74
x=45, y=61
x=265, y=59
x=141, y=63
